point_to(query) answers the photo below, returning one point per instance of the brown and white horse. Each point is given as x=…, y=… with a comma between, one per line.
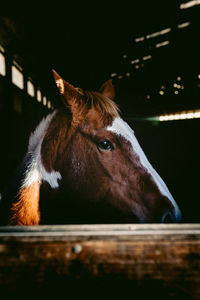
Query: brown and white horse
x=85, y=165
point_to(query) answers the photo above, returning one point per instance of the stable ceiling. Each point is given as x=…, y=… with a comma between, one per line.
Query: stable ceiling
x=88, y=44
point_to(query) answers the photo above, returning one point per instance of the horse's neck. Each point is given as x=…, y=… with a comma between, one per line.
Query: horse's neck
x=30, y=171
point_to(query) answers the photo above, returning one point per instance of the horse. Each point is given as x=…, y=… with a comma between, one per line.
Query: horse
x=85, y=165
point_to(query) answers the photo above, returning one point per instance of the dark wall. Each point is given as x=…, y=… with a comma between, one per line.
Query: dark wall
x=19, y=114
x=173, y=149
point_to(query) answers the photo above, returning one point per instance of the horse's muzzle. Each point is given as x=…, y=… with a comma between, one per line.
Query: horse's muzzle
x=172, y=217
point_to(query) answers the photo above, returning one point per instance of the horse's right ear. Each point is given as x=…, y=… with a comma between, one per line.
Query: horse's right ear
x=108, y=89
x=69, y=92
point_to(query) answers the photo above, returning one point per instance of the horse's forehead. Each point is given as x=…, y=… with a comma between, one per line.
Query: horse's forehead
x=95, y=120
x=120, y=127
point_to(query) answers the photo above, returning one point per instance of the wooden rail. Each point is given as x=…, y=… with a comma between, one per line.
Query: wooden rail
x=158, y=261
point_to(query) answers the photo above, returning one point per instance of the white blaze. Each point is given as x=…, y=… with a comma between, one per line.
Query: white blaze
x=35, y=170
x=120, y=127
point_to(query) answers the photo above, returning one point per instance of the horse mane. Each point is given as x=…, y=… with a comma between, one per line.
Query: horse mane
x=102, y=104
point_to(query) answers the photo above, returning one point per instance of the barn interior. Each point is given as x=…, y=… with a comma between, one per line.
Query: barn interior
x=151, y=52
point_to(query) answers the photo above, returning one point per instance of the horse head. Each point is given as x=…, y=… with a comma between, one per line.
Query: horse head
x=85, y=165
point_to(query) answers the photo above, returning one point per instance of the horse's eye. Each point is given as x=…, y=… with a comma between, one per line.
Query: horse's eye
x=105, y=145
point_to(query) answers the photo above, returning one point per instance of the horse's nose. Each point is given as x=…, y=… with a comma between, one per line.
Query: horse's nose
x=167, y=218
x=171, y=217
x=171, y=212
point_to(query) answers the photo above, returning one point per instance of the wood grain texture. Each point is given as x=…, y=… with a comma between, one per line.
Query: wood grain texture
x=149, y=261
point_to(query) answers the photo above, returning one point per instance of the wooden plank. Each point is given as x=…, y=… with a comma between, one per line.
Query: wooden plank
x=153, y=261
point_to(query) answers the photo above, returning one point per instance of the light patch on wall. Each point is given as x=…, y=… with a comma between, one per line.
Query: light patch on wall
x=39, y=96
x=30, y=88
x=45, y=100
x=17, y=77
x=182, y=115
x=183, y=25
x=2, y=64
x=162, y=44
x=155, y=34
x=189, y=4
x=49, y=104
x=139, y=39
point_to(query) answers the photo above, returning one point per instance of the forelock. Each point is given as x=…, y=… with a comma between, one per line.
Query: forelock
x=102, y=104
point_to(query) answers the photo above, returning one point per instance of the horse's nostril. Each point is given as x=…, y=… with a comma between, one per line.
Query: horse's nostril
x=168, y=218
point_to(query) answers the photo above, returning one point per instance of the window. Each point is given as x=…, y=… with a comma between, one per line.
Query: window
x=39, y=95
x=49, y=104
x=17, y=76
x=30, y=88
x=44, y=100
x=2, y=62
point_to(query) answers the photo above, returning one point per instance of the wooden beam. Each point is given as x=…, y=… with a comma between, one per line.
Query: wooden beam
x=154, y=261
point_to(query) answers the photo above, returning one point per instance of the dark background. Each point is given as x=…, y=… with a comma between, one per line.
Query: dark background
x=85, y=45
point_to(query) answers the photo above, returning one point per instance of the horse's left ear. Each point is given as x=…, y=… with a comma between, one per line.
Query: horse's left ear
x=108, y=89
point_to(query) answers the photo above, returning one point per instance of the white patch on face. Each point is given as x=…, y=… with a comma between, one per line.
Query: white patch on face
x=120, y=127
x=35, y=170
